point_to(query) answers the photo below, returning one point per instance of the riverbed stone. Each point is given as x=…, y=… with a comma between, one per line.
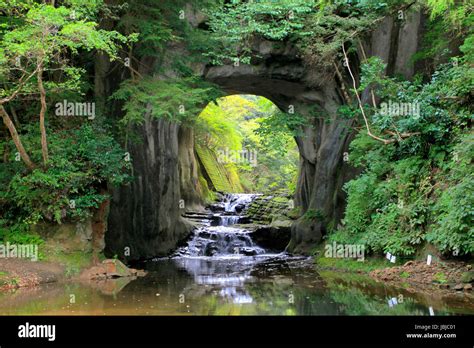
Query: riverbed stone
x=110, y=268
x=467, y=277
x=272, y=237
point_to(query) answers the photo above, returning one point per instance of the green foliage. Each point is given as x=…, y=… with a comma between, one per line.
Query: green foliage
x=318, y=28
x=83, y=162
x=158, y=24
x=234, y=25
x=279, y=129
x=440, y=277
x=351, y=265
x=453, y=211
x=313, y=215
x=404, y=274
x=147, y=19
x=237, y=126
x=44, y=37
x=179, y=100
x=18, y=233
x=217, y=126
x=407, y=191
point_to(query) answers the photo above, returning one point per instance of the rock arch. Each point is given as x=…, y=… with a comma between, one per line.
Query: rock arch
x=145, y=215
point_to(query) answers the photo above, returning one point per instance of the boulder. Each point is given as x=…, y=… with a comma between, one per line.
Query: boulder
x=274, y=237
x=110, y=268
x=467, y=277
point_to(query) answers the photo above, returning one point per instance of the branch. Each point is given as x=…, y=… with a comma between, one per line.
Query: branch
x=359, y=101
x=16, y=138
x=372, y=94
x=402, y=135
x=44, y=143
x=20, y=86
x=343, y=85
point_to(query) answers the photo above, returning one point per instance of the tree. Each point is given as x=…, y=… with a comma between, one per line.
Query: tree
x=40, y=42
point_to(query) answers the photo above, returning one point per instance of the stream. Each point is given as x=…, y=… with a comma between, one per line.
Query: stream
x=221, y=271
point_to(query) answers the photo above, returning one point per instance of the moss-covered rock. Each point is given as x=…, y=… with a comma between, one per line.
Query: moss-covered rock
x=269, y=208
x=68, y=237
x=468, y=277
x=220, y=177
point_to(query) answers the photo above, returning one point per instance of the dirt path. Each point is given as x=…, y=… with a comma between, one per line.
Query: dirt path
x=16, y=272
x=447, y=276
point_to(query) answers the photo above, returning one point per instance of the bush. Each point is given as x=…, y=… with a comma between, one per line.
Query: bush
x=82, y=162
x=419, y=189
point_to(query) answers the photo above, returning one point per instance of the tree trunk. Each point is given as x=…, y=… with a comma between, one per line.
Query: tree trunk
x=15, y=117
x=16, y=138
x=44, y=143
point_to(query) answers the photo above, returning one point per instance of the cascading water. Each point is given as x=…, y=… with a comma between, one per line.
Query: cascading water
x=226, y=220
x=222, y=240
x=238, y=201
x=221, y=255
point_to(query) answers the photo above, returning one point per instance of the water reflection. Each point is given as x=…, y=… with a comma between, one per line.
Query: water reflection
x=226, y=275
x=261, y=285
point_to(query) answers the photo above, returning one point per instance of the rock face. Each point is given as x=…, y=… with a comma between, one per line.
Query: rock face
x=266, y=208
x=274, y=237
x=191, y=192
x=66, y=237
x=145, y=219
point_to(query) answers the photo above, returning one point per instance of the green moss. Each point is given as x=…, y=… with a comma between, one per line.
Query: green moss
x=313, y=215
x=280, y=199
x=350, y=265
x=74, y=262
x=404, y=274
x=222, y=178
x=207, y=194
x=440, y=277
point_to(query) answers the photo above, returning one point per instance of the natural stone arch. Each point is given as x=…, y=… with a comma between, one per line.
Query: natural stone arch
x=280, y=76
x=145, y=216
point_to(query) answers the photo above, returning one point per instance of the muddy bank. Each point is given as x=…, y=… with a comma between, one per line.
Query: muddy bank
x=16, y=273
x=446, y=276
x=21, y=273
x=440, y=277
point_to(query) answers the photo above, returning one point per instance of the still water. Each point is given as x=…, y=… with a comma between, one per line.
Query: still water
x=232, y=285
x=221, y=271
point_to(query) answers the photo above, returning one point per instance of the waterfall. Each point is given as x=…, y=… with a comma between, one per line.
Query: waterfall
x=220, y=241
x=226, y=220
x=234, y=201
x=223, y=240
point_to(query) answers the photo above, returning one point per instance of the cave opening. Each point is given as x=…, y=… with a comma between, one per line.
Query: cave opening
x=245, y=143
